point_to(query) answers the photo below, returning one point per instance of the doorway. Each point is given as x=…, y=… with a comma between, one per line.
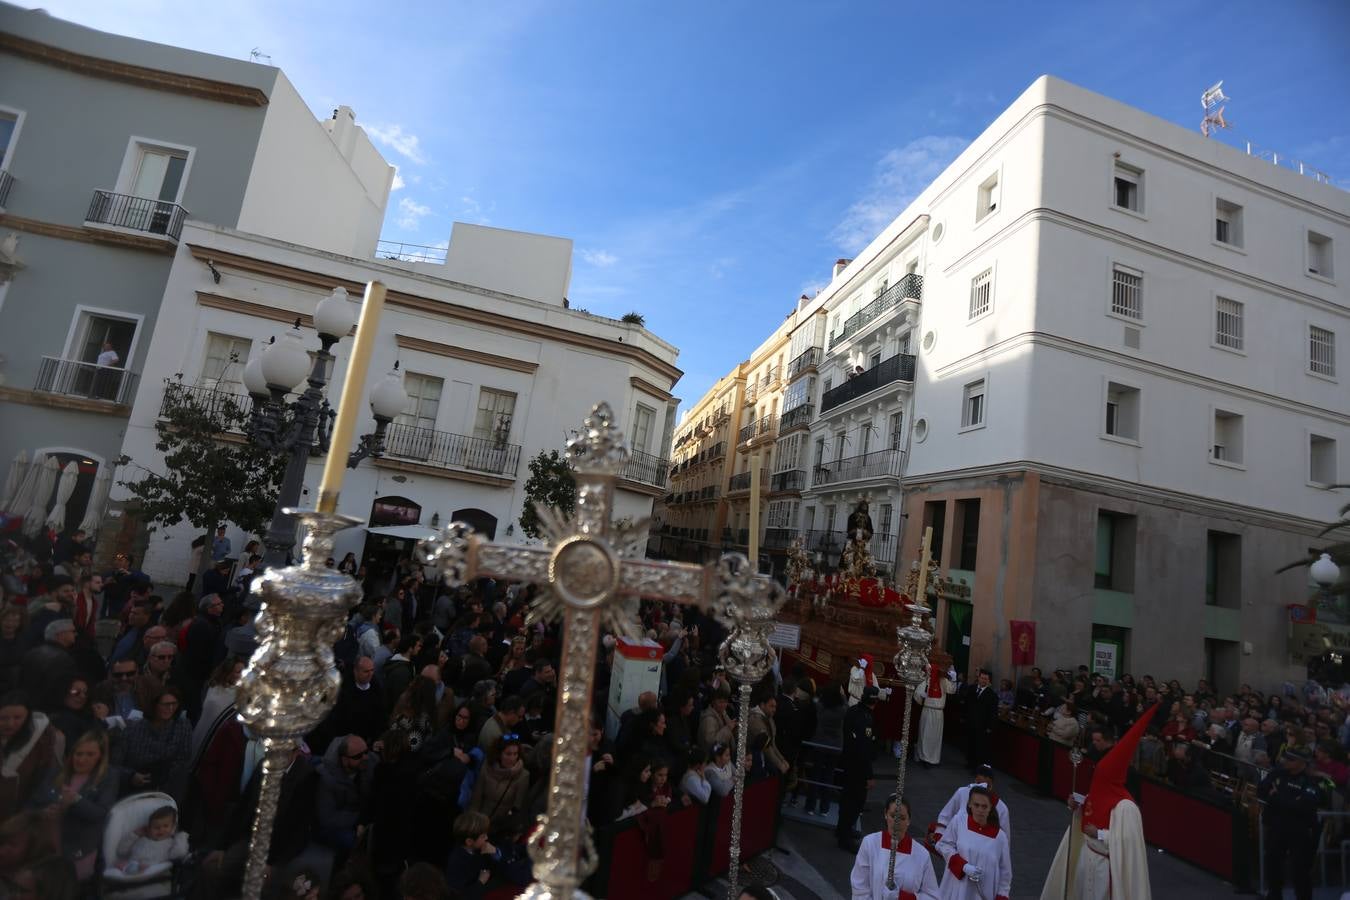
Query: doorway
x=960, y=617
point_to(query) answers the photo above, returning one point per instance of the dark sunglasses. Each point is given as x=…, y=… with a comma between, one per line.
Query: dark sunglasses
x=361, y=755
x=123, y=675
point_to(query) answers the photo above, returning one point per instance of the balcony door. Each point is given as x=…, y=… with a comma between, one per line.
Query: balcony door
x=158, y=177
x=99, y=343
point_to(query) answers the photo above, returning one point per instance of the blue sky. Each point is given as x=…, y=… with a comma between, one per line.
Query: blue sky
x=712, y=158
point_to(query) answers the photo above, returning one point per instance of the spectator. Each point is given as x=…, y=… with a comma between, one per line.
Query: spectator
x=342, y=800
x=715, y=726
x=1064, y=727
x=414, y=714
x=79, y=797
x=390, y=638
x=499, y=792
x=509, y=713
x=13, y=622
x=422, y=881
x=153, y=752
x=221, y=689
x=398, y=671
x=122, y=680
x=155, y=676
x=695, y=784
x=49, y=668
x=762, y=724
x=30, y=751
x=74, y=718
x=473, y=667
x=720, y=771
x=822, y=758
x=1250, y=741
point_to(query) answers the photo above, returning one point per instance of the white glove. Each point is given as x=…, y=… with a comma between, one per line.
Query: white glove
x=973, y=873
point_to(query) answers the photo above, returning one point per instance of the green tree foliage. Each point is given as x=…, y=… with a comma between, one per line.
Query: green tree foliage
x=634, y=318
x=208, y=479
x=551, y=484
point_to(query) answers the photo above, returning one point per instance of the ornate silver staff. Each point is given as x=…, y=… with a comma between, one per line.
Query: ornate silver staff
x=1076, y=758
x=911, y=661
x=585, y=572
x=747, y=656
x=290, y=683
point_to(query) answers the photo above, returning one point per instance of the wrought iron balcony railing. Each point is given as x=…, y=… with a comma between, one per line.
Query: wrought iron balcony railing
x=717, y=451
x=767, y=425
x=797, y=417
x=89, y=381
x=805, y=361
x=451, y=451
x=751, y=392
x=908, y=288
x=136, y=214
x=898, y=368
x=827, y=542
x=746, y=433
x=792, y=480
x=867, y=465
x=739, y=482
x=6, y=183
x=779, y=537
x=213, y=400
x=645, y=468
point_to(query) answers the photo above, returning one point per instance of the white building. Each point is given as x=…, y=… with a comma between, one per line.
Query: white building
x=1126, y=397
x=496, y=370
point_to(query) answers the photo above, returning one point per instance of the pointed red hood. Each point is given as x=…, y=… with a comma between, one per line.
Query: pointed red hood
x=1108, y=779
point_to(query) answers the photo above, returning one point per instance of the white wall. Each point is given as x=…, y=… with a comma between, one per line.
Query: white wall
x=304, y=190
x=490, y=257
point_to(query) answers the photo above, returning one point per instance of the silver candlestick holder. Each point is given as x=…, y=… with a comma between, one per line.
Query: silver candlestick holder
x=290, y=683
x=911, y=663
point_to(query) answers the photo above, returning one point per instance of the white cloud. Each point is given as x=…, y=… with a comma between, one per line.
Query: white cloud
x=399, y=183
x=601, y=259
x=401, y=142
x=901, y=174
x=411, y=213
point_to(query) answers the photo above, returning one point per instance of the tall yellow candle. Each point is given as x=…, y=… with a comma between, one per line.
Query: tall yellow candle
x=349, y=404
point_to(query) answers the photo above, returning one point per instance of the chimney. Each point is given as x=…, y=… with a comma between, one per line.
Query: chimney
x=839, y=266
x=342, y=129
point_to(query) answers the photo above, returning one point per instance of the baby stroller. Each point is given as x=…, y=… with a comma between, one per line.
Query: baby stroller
x=158, y=881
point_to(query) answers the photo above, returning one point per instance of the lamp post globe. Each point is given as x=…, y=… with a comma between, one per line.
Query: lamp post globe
x=335, y=315
x=1325, y=571
x=254, y=380
x=388, y=399
x=285, y=363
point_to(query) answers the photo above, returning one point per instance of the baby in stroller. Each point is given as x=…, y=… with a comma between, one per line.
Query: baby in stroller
x=155, y=847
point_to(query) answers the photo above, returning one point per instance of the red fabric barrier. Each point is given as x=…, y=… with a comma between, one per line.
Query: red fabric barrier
x=1192, y=829
x=758, y=820
x=628, y=860
x=1062, y=779
x=1018, y=753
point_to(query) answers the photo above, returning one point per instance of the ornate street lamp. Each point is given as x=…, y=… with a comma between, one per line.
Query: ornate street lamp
x=387, y=400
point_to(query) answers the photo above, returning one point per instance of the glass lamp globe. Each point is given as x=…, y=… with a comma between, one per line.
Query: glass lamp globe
x=335, y=315
x=254, y=380
x=1325, y=571
x=285, y=364
x=388, y=399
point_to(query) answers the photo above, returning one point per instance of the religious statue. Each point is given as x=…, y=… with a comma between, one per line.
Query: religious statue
x=859, y=536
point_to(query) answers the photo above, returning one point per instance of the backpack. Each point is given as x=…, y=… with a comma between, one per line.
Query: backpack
x=348, y=647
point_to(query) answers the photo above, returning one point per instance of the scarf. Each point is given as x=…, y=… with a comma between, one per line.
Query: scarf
x=934, y=681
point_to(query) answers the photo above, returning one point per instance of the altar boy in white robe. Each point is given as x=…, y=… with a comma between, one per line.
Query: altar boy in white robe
x=932, y=694
x=1102, y=855
x=914, y=878
x=979, y=863
x=956, y=806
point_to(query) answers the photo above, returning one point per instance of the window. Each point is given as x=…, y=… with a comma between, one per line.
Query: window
x=1228, y=429
x=495, y=410
x=1127, y=293
x=972, y=405
x=9, y=132
x=981, y=293
x=1227, y=223
x=808, y=518
x=1223, y=570
x=886, y=515
x=829, y=519
x=935, y=517
x=987, y=198
x=94, y=330
x=864, y=438
x=897, y=430
x=969, y=513
x=820, y=452
x=1114, y=568
x=840, y=441
x=875, y=360
x=226, y=356
x=905, y=342
x=1319, y=254
x=1122, y=411
x=1321, y=351
x=424, y=401
x=643, y=416
x=1128, y=187
x=1228, y=323
x=826, y=385
x=1321, y=459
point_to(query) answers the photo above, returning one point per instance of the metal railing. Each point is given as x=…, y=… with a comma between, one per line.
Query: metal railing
x=645, y=468
x=717, y=450
x=72, y=378
x=751, y=392
x=422, y=253
x=775, y=378
x=6, y=182
x=767, y=425
x=746, y=433
x=793, y=480
x=213, y=401
x=137, y=213
x=825, y=541
x=898, y=368
x=452, y=451
x=866, y=465
x=805, y=361
x=797, y=417
x=908, y=288
x=779, y=537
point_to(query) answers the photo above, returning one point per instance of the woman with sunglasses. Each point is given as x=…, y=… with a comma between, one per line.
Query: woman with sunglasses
x=914, y=876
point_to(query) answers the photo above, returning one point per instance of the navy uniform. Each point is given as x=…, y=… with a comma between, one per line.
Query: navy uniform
x=1292, y=798
x=860, y=748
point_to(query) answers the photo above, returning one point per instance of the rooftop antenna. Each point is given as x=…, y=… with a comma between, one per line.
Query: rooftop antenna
x=258, y=56
x=1213, y=119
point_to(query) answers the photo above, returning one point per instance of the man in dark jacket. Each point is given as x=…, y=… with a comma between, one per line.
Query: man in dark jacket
x=48, y=669
x=203, y=650
x=360, y=707
x=981, y=712
x=860, y=748
x=342, y=800
x=473, y=667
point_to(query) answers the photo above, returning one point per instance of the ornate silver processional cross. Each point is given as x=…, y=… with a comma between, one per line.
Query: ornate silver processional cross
x=587, y=574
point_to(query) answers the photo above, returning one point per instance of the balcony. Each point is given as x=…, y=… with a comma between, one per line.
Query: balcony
x=826, y=542
x=452, y=451
x=88, y=381
x=645, y=469
x=6, y=182
x=751, y=392
x=739, y=482
x=807, y=361
x=768, y=427
x=779, y=537
x=774, y=379
x=217, y=404
x=746, y=433
x=908, y=288
x=136, y=214
x=717, y=451
x=793, y=480
x=877, y=464
x=898, y=368
x=797, y=417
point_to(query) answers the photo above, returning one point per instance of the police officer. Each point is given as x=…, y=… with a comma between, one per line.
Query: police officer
x=860, y=748
x=1292, y=798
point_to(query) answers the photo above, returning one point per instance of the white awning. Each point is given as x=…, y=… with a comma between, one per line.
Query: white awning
x=409, y=532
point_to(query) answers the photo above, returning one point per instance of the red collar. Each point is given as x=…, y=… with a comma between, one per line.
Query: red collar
x=986, y=830
x=906, y=843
